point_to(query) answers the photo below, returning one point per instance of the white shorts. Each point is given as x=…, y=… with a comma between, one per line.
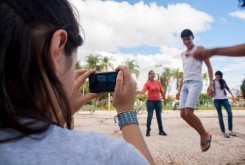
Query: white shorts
x=190, y=93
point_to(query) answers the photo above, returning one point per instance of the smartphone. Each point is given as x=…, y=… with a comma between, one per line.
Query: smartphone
x=102, y=82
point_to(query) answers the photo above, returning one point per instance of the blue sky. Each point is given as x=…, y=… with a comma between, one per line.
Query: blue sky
x=148, y=32
x=226, y=30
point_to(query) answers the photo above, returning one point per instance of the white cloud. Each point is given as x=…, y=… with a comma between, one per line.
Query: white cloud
x=110, y=25
x=238, y=14
x=235, y=66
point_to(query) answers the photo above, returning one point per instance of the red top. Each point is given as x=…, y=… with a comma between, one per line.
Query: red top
x=154, y=88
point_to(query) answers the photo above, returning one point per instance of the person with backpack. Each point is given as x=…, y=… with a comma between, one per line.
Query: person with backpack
x=220, y=99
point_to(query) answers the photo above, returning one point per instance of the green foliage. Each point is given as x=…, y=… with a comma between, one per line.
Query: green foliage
x=204, y=96
x=165, y=79
x=141, y=97
x=177, y=75
x=243, y=88
x=133, y=67
x=78, y=66
x=167, y=107
x=204, y=99
x=111, y=107
x=105, y=64
x=205, y=107
x=92, y=62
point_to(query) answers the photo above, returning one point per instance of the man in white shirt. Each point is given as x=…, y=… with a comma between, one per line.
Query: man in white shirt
x=191, y=87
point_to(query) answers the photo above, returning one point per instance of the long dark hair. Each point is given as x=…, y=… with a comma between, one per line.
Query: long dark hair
x=26, y=29
x=221, y=81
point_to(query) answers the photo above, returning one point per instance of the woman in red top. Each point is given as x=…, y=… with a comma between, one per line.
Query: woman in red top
x=153, y=88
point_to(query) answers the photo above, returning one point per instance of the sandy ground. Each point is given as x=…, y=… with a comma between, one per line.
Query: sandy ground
x=181, y=145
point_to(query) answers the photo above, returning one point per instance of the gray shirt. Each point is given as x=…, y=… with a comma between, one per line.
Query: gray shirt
x=59, y=146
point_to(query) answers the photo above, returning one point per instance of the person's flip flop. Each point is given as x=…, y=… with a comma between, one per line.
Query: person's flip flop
x=205, y=145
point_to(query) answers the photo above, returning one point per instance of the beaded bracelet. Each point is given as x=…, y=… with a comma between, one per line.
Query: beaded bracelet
x=127, y=118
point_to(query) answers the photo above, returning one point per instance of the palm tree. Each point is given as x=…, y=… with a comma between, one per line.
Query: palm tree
x=132, y=65
x=105, y=64
x=176, y=74
x=78, y=66
x=93, y=62
x=205, y=78
x=165, y=78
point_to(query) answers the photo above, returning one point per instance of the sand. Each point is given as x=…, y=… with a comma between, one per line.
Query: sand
x=181, y=145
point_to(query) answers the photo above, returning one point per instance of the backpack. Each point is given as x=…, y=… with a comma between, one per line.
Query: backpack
x=225, y=87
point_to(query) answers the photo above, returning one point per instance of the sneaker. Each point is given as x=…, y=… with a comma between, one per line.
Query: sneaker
x=226, y=135
x=162, y=133
x=147, y=133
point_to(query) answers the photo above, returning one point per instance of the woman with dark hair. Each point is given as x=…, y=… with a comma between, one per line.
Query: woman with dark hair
x=40, y=91
x=154, y=89
x=220, y=99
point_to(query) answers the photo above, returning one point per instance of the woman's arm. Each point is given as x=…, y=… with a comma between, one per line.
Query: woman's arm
x=142, y=91
x=228, y=89
x=163, y=96
x=123, y=99
x=233, y=98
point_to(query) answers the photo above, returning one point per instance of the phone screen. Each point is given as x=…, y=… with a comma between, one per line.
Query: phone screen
x=102, y=82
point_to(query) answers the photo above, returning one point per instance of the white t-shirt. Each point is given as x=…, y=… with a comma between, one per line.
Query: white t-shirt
x=192, y=67
x=219, y=93
x=59, y=146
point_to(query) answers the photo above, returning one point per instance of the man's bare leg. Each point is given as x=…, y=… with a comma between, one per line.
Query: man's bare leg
x=188, y=115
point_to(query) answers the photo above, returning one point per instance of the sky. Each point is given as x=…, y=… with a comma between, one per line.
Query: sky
x=149, y=32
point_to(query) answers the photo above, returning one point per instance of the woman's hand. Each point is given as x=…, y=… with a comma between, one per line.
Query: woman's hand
x=124, y=93
x=77, y=100
x=165, y=101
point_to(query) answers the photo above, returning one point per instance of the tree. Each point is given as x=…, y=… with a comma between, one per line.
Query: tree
x=204, y=99
x=165, y=79
x=132, y=65
x=85, y=84
x=243, y=88
x=105, y=64
x=205, y=78
x=178, y=76
x=78, y=66
x=93, y=62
